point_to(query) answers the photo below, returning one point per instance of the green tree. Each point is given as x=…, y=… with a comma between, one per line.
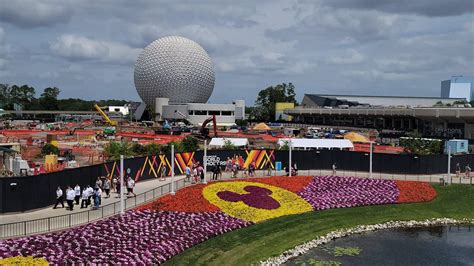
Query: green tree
x=153, y=149
x=49, y=148
x=241, y=123
x=228, y=145
x=267, y=98
x=415, y=144
x=49, y=98
x=189, y=144
x=114, y=149
x=139, y=150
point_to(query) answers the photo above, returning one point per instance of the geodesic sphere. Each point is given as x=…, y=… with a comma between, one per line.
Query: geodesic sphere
x=176, y=68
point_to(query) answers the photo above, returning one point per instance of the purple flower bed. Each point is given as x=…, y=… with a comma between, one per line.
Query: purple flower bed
x=326, y=192
x=138, y=237
x=258, y=197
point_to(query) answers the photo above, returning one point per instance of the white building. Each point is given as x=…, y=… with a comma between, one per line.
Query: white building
x=458, y=87
x=197, y=113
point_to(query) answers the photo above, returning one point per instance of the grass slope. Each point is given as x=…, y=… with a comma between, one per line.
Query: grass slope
x=258, y=242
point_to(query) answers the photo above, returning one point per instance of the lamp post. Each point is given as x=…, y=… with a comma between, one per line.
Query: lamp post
x=172, y=170
x=289, y=163
x=370, y=159
x=122, y=203
x=449, y=165
x=204, y=162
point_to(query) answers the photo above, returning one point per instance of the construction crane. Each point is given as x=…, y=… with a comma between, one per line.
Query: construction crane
x=105, y=116
x=204, y=130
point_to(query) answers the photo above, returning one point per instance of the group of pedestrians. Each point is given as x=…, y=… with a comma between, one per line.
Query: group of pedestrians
x=73, y=195
x=467, y=171
x=91, y=195
x=195, y=173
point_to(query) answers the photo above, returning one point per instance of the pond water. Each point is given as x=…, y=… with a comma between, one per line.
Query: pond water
x=443, y=245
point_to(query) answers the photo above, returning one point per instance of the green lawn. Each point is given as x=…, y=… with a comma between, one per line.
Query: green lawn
x=258, y=242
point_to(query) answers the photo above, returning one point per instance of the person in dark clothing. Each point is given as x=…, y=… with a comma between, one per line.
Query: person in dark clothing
x=59, y=198
x=215, y=172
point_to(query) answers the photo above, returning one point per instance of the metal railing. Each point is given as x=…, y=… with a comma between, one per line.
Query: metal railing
x=66, y=221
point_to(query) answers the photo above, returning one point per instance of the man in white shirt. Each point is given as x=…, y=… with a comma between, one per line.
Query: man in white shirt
x=85, y=196
x=70, y=195
x=59, y=198
x=77, y=190
x=90, y=193
x=130, y=186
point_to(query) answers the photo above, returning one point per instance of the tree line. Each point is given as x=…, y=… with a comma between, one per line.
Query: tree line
x=24, y=97
x=264, y=109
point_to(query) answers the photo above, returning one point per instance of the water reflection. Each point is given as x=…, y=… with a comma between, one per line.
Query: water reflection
x=441, y=245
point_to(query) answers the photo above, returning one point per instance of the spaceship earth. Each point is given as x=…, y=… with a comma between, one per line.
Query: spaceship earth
x=176, y=68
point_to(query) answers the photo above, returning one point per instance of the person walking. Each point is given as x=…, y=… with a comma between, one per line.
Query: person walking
x=130, y=186
x=468, y=171
x=97, y=197
x=119, y=189
x=90, y=193
x=195, y=175
x=85, y=196
x=106, y=186
x=163, y=173
x=458, y=170
x=77, y=191
x=98, y=182
x=269, y=169
x=59, y=198
x=188, y=173
x=70, y=196
x=334, y=167
x=114, y=183
x=295, y=169
x=200, y=171
x=214, y=172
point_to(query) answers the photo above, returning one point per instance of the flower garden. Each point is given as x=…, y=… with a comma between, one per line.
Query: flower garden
x=155, y=232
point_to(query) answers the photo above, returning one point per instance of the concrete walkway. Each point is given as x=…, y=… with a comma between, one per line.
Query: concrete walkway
x=140, y=187
x=148, y=185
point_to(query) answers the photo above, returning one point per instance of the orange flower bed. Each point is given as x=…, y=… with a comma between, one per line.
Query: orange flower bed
x=188, y=199
x=413, y=191
x=293, y=184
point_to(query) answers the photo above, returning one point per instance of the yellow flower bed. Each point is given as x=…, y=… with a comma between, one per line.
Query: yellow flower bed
x=20, y=260
x=289, y=203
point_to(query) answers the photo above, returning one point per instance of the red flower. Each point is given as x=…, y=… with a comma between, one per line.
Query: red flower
x=293, y=184
x=413, y=191
x=189, y=199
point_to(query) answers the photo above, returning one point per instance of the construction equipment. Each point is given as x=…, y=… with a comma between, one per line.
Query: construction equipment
x=104, y=115
x=205, y=131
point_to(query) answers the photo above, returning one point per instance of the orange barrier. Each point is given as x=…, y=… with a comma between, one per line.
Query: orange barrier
x=365, y=147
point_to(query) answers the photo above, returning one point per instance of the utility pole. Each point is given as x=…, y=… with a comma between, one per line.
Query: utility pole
x=172, y=171
x=122, y=203
x=204, y=159
x=289, y=166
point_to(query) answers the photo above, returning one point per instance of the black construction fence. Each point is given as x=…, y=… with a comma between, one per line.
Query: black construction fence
x=19, y=194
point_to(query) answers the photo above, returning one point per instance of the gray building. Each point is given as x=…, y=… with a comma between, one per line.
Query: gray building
x=458, y=87
x=438, y=122
x=197, y=113
x=313, y=100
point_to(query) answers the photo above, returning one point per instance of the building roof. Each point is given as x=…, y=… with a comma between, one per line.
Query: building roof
x=335, y=96
x=219, y=142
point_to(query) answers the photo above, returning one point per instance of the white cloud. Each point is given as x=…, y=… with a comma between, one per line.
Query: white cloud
x=34, y=13
x=76, y=47
x=350, y=56
x=373, y=74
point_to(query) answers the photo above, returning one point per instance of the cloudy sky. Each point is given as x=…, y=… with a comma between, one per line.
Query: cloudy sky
x=377, y=47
